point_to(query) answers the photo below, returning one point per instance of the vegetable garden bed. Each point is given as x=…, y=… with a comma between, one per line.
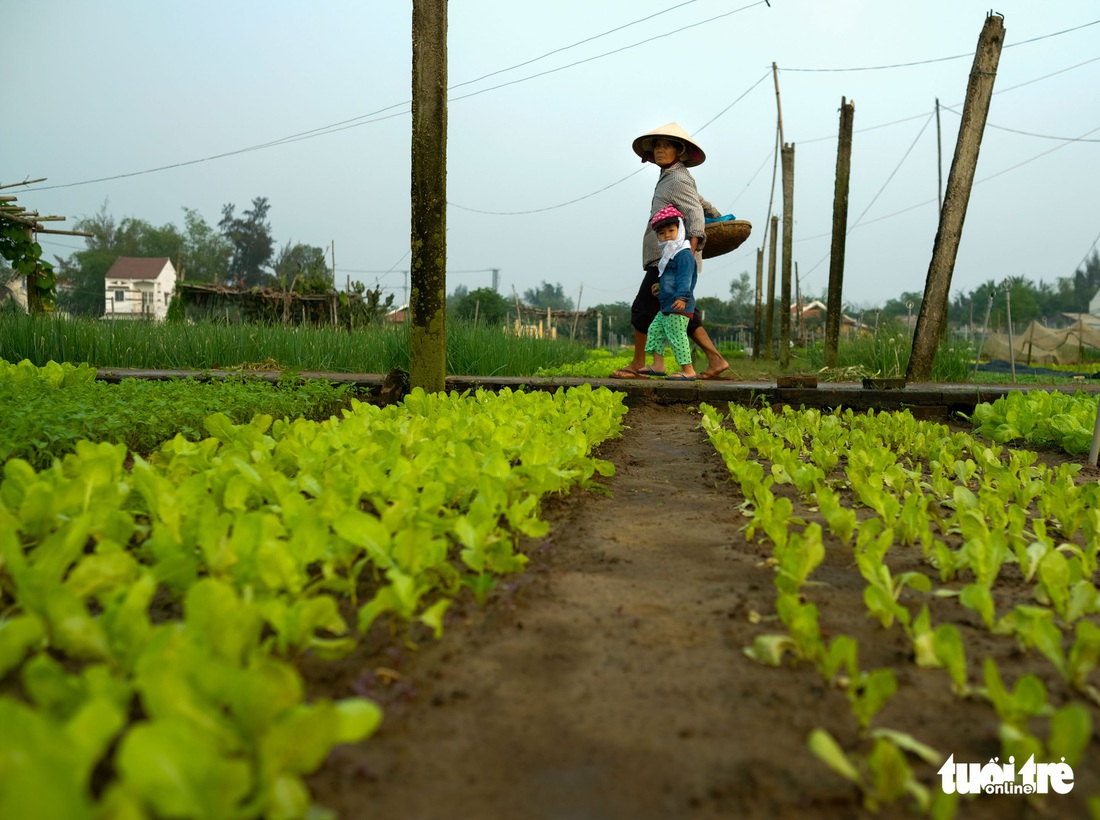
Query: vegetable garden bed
x=774, y=614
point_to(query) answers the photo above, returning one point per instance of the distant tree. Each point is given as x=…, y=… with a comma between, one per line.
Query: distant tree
x=1079, y=289
x=253, y=247
x=742, y=299
x=206, y=253
x=714, y=310
x=305, y=267
x=548, y=296
x=616, y=320
x=456, y=297
x=490, y=307
x=898, y=308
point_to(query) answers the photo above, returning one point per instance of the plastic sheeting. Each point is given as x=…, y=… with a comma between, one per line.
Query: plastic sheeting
x=1042, y=345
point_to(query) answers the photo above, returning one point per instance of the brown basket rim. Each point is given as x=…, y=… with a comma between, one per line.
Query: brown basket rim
x=723, y=237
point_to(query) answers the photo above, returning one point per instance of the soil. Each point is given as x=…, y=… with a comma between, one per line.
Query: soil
x=609, y=681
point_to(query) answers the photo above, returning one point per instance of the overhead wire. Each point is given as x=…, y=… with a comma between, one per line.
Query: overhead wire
x=370, y=118
x=938, y=59
x=606, y=187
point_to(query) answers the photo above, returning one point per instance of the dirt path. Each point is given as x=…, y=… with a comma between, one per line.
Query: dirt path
x=614, y=685
x=610, y=682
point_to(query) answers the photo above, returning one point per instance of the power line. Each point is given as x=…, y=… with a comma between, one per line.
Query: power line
x=897, y=167
x=936, y=59
x=613, y=184
x=366, y=119
x=573, y=45
x=1026, y=133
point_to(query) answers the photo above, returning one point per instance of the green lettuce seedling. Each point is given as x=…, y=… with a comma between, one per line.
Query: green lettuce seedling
x=948, y=648
x=883, y=777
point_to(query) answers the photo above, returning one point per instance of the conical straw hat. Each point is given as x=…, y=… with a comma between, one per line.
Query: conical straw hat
x=693, y=154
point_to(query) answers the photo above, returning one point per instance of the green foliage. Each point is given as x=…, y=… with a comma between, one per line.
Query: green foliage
x=18, y=247
x=1039, y=418
x=547, y=296
x=250, y=237
x=48, y=410
x=922, y=484
x=884, y=776
x=488, y=306
x=154, y=611
x=377, y=348
x=884, y=353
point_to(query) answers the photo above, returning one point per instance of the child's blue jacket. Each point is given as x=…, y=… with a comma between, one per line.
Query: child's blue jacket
x=678, y=282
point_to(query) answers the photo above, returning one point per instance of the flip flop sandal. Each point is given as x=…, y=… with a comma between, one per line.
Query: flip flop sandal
x=649, y=371
x=625, y=373
x=680, y=377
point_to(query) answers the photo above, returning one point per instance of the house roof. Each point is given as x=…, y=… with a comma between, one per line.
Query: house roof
x=133, y=267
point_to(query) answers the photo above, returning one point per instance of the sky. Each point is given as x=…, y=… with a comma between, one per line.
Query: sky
x=145, y=109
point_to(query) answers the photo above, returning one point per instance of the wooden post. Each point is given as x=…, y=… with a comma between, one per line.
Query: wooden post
x=769, y=316
x=801, y=309
x=428, y=300
x=788, y=233
x=835, y=308
x=576, y=314
x=34, y=299
x=939, y=159
x=757, y=309
x=932, y=319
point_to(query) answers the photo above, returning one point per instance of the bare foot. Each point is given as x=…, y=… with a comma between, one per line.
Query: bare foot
x=715, y=369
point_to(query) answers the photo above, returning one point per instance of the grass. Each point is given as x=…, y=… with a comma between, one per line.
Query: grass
x=471, y=350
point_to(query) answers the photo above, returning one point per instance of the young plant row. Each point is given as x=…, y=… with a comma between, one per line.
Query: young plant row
x=1039, y=418
x=152, y=617
x=970, y=510
x=46, y=410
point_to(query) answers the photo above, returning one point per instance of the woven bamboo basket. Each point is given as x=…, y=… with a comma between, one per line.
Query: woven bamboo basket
x=723, y=237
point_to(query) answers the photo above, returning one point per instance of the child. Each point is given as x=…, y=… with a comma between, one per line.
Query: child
x=676, y=293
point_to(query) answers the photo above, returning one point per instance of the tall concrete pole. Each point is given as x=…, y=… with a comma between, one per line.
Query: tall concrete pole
x=835, y=307
x=428, y=300
x=932, y=320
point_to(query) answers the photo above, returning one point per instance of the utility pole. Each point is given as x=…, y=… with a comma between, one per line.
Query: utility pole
x=427, y=305
x=834, y=309
x=932, y=319
x=496, y=278
x=769, y=328
x=757, y=309
x=788, y=233
x=939, y=159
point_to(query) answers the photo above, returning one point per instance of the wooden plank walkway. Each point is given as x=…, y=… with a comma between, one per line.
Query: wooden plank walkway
x=924, y=399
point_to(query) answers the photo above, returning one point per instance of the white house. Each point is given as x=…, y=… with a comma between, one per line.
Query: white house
x=139, y=288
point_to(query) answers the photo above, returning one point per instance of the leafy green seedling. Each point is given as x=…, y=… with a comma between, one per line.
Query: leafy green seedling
x=1083, y=657
x=1034, y=627
x=883, y=777
x=947, y=646
x=770, y=649
x=841, y=520
x=869, y=692
x=979, y=598
x=1027, y=700
x=921, y=634
x=1070, y=733
x=842, y=654
x=481, y=584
